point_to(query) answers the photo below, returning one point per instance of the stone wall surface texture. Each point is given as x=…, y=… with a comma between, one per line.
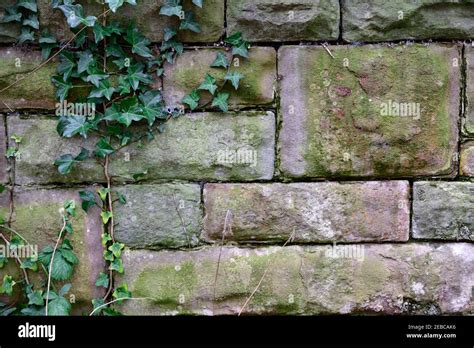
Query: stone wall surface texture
x=342, y=173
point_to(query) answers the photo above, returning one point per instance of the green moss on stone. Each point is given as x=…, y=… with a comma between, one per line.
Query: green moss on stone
x=345, y=106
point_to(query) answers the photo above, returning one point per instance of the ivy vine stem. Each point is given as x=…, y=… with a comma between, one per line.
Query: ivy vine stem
x=51, y=263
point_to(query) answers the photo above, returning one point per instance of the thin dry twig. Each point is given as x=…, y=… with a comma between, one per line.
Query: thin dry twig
x=263, y=276
x=182, y=220
x=220, y=252
x=327, y=50
x=119, y=299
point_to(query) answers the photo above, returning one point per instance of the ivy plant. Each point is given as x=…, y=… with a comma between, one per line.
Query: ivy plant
x=115, y=68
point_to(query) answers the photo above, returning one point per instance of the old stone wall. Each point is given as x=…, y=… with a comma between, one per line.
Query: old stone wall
x=342, y=172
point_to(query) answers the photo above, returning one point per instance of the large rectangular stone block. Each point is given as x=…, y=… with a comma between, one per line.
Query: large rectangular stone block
x=159, y=216
x=288, y=20
x=146, y=15
x=369, y=111
x=379, y=20
x=34, y=92
x=38, y=218
x=201, y=146
x=206, y=146
x=310, y=212
x=256, y=88
x=350, y=279
x=443, y=210
x=469, y=109
x=41, y=146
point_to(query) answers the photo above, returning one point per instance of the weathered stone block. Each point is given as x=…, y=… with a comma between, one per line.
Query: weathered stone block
x=443, y=210
x=311, y=212
x=288, y=20
x=380, y=20
x=469, y=110
x=467, y=159
x=41, y=146
x=370, y=111
x=3, y=151
x=38, y=218
x=369, y=279
x=206, y=146
x=34, y=92
x=256, y=88
x=159, y=216
x=237, y=147
x=146, y=16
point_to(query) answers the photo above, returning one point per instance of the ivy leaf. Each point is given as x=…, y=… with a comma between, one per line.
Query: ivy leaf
x=105, y=239
x=103, y=192
x=85, y=60
x=221, y=101
x=26, y=35
x=235, y=39
x=115, y=4
x=192, y=99
x=75, y=15
x=62, y=88
x=169, y=33
x=198, y=3
x=241, y=50
x=108, y=256
x=220, y=61
x=102, y=280
x=67, y=64
x=234, y=77
x=104, y=90
x=47, y=42
x=171, y=8
x=139, y=42
x=28, y=4
x=59, y=306
x=150, y=105
x=32, y=21
x=126, y=112
x=117, y=266
x=65, y=289
x=88, y=199
x=121, y=292
x=189, y=23
x=106, y=215
x=100, y=32
x=30, y=263
x=69, y=126
x=66, y=162
x=209, y=84
x=94, y=76
x=7, y=285
x=135, y=75
x=36, y=298
x=103, y=148
x=63, y=262
x=116, y=249
x=11, y=15
x=177, y=46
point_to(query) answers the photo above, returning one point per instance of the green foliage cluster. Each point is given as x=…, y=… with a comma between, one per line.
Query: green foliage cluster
x=57, y=262
x=26, y=13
